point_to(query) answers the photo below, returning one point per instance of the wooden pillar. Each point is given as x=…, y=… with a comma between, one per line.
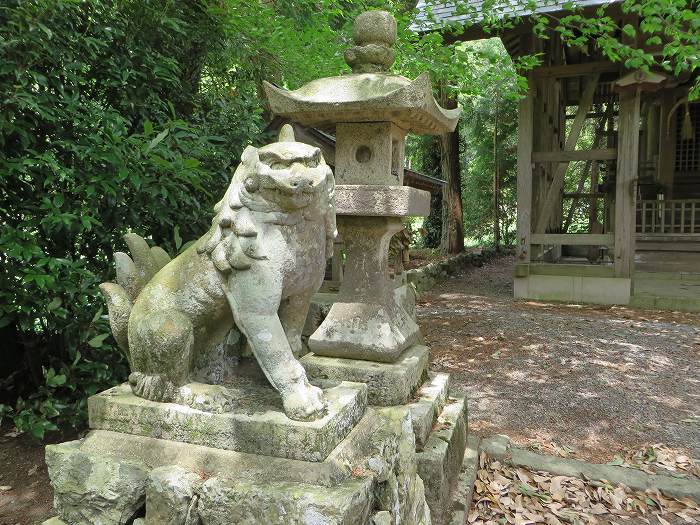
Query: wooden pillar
x=524, y=183
x=626, y=183
x=667, y=143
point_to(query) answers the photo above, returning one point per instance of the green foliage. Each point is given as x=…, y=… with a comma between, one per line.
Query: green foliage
x=490, y=116
x=673, y=26
x=91, y=146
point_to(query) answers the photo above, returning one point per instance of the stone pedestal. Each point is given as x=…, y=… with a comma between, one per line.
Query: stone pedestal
x=259, y=413
x=114, y=478
x=365, y=322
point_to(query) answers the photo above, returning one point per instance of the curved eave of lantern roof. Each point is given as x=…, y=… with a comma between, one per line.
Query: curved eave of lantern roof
x=365, y=97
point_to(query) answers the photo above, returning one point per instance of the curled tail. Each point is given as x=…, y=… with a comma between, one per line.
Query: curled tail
x=132, y=276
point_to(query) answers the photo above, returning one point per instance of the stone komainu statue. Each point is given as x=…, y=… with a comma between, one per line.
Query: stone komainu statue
x=255, y=270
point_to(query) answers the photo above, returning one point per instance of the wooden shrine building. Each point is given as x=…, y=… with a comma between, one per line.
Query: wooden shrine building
x=636, y=139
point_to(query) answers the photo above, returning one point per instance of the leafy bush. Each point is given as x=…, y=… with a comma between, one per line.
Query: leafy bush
x=91, y=146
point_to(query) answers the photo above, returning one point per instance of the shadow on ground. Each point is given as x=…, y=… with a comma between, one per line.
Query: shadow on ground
x=595, y=379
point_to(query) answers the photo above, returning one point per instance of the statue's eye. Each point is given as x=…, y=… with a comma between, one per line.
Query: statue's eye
x=278, y=165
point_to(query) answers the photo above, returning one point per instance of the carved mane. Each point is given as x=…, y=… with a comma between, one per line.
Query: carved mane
x=232, y=241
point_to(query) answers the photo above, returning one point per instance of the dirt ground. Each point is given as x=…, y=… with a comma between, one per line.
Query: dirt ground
x=588, y=382
x=26, y=497
x=585, y=381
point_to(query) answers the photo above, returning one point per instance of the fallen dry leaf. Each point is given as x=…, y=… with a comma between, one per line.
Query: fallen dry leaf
x=517, y=496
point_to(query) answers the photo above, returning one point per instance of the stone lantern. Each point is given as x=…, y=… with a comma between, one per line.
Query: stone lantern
x=370, y=111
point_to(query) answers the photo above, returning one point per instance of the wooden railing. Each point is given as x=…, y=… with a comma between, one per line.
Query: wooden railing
x=674, y=216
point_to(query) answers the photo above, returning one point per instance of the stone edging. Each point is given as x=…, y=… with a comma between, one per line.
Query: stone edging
x=425, y=277
x=499, y=447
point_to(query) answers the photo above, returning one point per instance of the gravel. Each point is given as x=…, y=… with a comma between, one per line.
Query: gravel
x=585, y=381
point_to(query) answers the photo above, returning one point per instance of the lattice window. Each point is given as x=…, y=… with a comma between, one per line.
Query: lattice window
x=688, y=147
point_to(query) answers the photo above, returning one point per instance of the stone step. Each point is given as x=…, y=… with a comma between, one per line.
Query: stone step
x=440, y=461
x=110, y=478
x=258, y=412
x=429, y=402
x=388, y=384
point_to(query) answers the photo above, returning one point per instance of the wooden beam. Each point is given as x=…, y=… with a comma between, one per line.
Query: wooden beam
x=555, y=188
x=524, y=183
x=626, y=183
x=568, y=156
x=574, y=239
x=577, y=70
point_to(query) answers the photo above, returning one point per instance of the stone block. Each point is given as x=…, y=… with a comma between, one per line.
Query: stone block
x=170, y=495
x=211, y=462
x=464, y=492
x=388, y=383
x=258, y=413
x=382, y=517
x=440, y=461
x=381, y=201
x=227, y=501
x=373, y=469
x=497, y=446
x=375, y=331
x=91, y=489
x=430, y=400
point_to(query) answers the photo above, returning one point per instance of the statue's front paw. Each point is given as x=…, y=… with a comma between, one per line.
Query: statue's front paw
x=207, y=398
x=304, y=402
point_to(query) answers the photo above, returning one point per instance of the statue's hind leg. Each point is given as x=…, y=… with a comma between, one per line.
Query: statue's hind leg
x=161, y=345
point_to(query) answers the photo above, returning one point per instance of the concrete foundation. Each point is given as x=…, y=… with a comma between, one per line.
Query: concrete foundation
x=571, y=283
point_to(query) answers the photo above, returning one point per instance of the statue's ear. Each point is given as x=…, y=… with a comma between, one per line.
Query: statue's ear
x=250, y=156
x=287, y=134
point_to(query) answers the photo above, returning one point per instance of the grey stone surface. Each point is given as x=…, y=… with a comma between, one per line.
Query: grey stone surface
x=440, y=461
x=366, y=97
x=634, y=479
x=227, y=501
x=429, y=402
x=497, y=446
x=388, y=383
x=260, y=263
x=426, y=277
x=381, y=201
x=211, y=462
x=54, y=521
x=464, y=492
x=257, y=425
x=369, y=155
x=373, y=469
x=374, y=32
x=383, y=517
x=365, y=322
x=94, y=490
x=170, y=496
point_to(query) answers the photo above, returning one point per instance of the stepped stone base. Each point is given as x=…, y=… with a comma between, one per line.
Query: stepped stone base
x=388, y=383
x=430, y=400
x=258, y=412
x=113, y=478
x=440, y=460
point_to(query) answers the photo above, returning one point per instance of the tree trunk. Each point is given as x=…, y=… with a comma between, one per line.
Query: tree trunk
x=496, y=187
x=452, y=221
